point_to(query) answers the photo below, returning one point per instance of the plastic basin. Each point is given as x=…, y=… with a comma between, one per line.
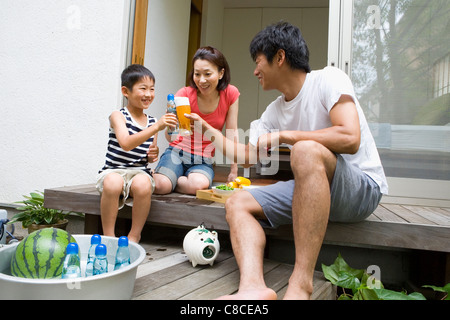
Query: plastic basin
x=114, y=285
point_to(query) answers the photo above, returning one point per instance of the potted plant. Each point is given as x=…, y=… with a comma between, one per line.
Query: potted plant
x=34, y=216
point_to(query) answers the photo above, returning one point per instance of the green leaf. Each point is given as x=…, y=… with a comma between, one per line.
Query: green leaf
x=340, y=273
x=344, y=297
x=371, y=282
x=348, y=281
x=445, y=288
x=385, y=294
x=369, y=294
x=38, y=196
x=330, y=273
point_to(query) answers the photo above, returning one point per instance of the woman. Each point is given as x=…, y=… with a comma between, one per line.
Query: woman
x=186, y=166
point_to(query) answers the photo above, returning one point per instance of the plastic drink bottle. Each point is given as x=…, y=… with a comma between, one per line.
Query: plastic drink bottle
x=171, y=108
x=95, y=240
x=100, y=262
x=123, y=254
x=71, y=266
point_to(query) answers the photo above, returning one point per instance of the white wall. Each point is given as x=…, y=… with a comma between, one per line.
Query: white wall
x=166, y=52
x=59, y=80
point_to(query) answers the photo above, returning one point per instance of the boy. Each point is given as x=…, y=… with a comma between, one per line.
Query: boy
x=131, y=141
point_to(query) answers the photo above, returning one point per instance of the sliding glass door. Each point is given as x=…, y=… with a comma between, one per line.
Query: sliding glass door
x=397, y=53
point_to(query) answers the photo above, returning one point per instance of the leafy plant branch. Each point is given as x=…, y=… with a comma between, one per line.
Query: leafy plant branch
x=357, y=284
x=33, y=211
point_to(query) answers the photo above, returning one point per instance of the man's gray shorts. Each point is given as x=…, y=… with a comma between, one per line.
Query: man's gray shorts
x=354, y=196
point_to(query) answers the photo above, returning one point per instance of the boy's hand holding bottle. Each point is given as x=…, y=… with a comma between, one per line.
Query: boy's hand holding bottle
x=167, y=120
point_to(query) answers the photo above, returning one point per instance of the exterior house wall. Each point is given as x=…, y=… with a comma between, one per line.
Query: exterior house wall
x=60, y=79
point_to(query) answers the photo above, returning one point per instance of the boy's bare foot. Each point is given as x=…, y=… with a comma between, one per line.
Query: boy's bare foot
x=134, y=239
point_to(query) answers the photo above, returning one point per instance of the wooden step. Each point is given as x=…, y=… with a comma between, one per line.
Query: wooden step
x=168, y=275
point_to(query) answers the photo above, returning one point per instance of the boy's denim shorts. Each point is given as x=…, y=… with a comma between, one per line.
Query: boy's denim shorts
x=175, y=163
x=354, y=196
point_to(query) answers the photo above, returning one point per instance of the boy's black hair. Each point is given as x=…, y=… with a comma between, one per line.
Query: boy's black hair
x=133, y=74
x=282, y=35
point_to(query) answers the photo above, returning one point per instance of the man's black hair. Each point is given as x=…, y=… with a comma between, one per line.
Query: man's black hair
x=282, y=35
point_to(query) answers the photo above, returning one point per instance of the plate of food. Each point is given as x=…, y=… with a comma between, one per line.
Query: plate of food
x=223, y=189
x=237, y=184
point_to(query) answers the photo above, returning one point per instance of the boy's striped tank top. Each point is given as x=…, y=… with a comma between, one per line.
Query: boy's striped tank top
x=117, y=158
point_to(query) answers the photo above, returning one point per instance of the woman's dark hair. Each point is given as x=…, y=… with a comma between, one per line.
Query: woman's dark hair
x=282, y=35
x=133, y=74
x=215, y=57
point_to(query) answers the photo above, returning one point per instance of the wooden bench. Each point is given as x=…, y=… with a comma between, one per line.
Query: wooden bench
x=390, y=226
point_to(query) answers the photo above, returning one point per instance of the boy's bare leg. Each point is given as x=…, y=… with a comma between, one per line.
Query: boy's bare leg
x=248, y=241
x=109, y=203
x=141, y=191
x=313, y=166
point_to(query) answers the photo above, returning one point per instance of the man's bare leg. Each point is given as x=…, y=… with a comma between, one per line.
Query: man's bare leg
x=248, y=240
x=313, y=166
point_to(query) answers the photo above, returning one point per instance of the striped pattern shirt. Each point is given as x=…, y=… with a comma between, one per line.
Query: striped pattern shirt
x=117, y=158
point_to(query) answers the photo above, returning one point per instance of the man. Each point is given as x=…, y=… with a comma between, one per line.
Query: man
x=337, y=170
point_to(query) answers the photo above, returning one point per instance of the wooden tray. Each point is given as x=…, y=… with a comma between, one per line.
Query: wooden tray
x=212, y=196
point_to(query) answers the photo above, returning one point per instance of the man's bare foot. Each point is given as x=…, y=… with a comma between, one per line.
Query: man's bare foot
x=297, y=293
x=263, y=294
x=301, y=296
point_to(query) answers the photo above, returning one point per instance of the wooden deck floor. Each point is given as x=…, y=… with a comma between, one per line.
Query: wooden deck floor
x=167, y=274
x=427, y=215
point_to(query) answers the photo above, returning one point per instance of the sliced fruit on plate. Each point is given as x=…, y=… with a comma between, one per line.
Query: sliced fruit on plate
x=241, y=181
x=233, y=184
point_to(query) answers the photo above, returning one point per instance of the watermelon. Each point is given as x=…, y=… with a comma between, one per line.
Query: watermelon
x=41, y=254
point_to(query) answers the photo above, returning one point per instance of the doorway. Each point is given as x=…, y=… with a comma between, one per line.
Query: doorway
x=241, y=24
x=195, y=32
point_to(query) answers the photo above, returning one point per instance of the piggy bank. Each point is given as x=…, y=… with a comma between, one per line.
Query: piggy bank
x=201, y=246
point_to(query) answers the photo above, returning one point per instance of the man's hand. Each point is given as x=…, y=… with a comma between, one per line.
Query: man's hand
x=195, y=118
x=268, y=140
